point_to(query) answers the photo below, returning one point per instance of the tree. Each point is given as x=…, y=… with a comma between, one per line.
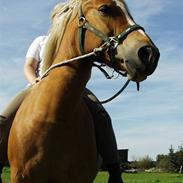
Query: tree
x=143, y=163
x=180, y=148
x=173, y=160
x=163, y=162
x=179, y=155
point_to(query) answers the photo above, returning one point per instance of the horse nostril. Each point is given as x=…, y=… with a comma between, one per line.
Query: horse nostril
x=145, y=54
x=149, y=57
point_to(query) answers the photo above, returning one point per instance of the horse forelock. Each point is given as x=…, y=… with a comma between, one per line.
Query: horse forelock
x=57, y=30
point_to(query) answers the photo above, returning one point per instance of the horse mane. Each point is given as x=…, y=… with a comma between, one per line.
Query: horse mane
x=60, y=17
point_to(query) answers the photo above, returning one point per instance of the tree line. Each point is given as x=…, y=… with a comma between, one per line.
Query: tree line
x=171, y=162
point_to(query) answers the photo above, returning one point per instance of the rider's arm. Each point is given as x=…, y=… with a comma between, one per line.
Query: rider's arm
x=30, y=67
x=32, y=60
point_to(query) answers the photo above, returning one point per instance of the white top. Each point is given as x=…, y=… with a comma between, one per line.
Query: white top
x=36, y=51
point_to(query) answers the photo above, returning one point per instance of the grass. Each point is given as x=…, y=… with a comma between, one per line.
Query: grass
x=6, y=175
x=144, y=178
x=102, y=177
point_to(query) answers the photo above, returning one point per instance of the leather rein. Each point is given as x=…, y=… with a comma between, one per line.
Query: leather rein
x=110, y=45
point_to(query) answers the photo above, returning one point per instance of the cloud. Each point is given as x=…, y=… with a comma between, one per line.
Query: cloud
x=11, y=79
x=146, y=122
x=20, y=23
x=149, y=139
x=149, y=121
x=145, y=9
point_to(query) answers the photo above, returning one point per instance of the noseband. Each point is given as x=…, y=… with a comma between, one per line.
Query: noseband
x=109, y=43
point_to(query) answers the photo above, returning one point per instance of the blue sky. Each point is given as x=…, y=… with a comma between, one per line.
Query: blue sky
x=145, y=122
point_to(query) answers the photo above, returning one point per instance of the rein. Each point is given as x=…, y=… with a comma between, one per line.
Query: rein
x=95, y=52
x=115, y=95
x=65, y=62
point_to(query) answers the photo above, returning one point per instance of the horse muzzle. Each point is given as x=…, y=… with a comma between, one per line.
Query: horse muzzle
x=141, y=63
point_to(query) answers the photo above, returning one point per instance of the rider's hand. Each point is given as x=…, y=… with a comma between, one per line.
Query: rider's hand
x=36, y=81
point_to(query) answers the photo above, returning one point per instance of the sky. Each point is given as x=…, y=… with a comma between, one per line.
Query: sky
x=147, y=122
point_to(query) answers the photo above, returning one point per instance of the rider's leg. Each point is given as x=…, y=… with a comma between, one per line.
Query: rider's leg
x=6, y=118
x=106, y=141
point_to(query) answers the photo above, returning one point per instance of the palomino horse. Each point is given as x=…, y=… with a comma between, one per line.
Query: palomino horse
x=52, y=138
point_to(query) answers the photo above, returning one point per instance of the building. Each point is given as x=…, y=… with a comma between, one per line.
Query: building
x=123, y=155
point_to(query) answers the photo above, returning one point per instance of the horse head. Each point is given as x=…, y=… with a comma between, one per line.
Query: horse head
x=127, y=47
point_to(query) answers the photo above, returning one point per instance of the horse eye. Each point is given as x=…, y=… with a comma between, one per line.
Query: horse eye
x=105, y=9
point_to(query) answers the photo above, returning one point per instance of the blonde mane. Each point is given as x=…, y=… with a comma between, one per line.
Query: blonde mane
x=60, y=16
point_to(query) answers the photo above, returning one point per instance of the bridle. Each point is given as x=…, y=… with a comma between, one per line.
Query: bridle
x=109, y=44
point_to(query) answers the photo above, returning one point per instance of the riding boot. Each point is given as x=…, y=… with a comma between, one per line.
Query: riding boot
x=114, y=173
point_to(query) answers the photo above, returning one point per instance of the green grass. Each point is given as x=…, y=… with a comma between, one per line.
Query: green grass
x=127, y=177
x=6, y=175
x=144, y=178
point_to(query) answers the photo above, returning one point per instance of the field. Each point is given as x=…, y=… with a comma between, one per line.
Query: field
x=144, y=178
x=129, y=178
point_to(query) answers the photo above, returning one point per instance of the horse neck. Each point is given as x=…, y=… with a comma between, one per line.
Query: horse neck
x=72, y=78
x=78, y=72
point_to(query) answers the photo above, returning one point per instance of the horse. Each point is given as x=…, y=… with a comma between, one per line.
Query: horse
x=52, y=137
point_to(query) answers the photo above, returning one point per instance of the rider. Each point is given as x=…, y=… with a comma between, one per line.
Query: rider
x=106, y=142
